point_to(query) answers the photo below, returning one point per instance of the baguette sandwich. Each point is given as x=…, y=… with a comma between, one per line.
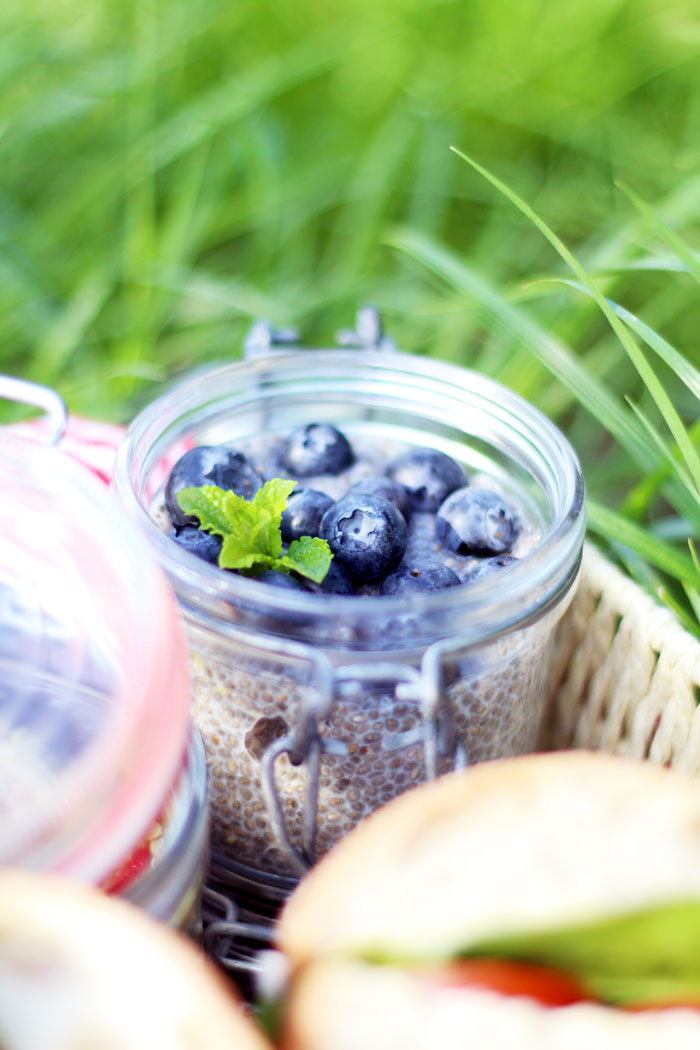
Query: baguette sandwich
x=83, y=971
x=536, y=903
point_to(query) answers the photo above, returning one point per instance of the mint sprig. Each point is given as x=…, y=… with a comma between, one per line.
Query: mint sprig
x=252, y=540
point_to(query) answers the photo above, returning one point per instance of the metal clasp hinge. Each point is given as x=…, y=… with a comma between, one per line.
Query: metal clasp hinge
x=306, y=744
x=264, y=339
x=368, y=333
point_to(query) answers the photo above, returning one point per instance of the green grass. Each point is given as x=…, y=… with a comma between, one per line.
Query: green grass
x=170, y=170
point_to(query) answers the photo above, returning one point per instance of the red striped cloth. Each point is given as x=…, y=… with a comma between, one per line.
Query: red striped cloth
x=89, y=442
x=95, y=444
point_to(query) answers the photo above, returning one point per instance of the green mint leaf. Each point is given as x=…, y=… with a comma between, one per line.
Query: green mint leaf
x=309, y=556
x=273, y=496
x=254, y=526
x=235, y=554
x=207, y=502
x=251, y=530
x=270, y=501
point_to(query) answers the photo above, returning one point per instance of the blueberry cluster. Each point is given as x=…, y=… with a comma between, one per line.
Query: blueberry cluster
x=369, y=528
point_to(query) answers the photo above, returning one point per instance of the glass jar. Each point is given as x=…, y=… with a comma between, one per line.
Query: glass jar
x=103, y=777
x=315, y=709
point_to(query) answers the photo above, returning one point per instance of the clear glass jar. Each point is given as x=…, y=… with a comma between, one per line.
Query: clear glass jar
x=103, y=777
x=315, y=709
x=168, y=884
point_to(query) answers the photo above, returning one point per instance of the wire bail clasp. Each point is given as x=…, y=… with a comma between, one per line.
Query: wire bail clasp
x=368, y=333
x=43, y=397
x=264, y=339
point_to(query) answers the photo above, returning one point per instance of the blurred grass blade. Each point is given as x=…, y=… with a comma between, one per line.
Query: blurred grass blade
x=676, y=243
x=676, y=469
x=683, y=369
x=679, y=206
x=649, y=377
x=654, y=582
x=641, y=495
x=686, y=372
x=691, y=625
x=692, y=593
x=658, y=483
x=247, y=91
x=646, y=264
x=593, y=395
x=694, y=554
x=614, y=527
x=694, y=598
x=648, y=487
x=137, y=370
x=69, y=327
x=368, y=191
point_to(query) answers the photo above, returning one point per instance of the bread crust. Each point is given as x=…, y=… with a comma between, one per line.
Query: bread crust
x=504, y=847
x=349, y=1005
x=82, y=971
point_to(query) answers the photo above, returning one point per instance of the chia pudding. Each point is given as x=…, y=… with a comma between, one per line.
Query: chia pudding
x=315, y=708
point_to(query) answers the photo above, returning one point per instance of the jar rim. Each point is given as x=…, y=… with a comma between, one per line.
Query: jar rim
x=534, y=582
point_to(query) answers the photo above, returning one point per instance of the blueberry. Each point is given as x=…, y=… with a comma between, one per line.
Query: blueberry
x=366, y=534
x=317, y=448
x=302, y=517
x=195, y=540
x=419, y=576
x=336, y=581
x=488, y=566
x=279, y=579
x=476, y=521
x=428, y=475
x=209, y=465
x=387, y=488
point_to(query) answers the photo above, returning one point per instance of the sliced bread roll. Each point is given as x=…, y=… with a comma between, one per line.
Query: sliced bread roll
x=503, y=850
x=350, y=1005
x=83, y=971
x=501, y=847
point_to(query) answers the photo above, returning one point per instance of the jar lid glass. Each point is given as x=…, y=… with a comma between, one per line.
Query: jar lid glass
x=94, y=688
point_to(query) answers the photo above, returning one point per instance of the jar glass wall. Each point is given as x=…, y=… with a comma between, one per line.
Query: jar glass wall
x=168, y=884
x=316, y=708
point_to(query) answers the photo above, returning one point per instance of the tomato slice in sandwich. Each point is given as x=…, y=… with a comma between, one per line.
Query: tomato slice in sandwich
x=513, y=978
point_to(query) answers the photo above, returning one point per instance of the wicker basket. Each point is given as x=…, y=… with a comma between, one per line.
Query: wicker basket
x=626, y=675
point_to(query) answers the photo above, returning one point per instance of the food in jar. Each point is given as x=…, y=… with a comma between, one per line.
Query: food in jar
x=374, y=525
x=243, y=706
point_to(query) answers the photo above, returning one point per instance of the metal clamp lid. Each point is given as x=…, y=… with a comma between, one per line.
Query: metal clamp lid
x=368, y=334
